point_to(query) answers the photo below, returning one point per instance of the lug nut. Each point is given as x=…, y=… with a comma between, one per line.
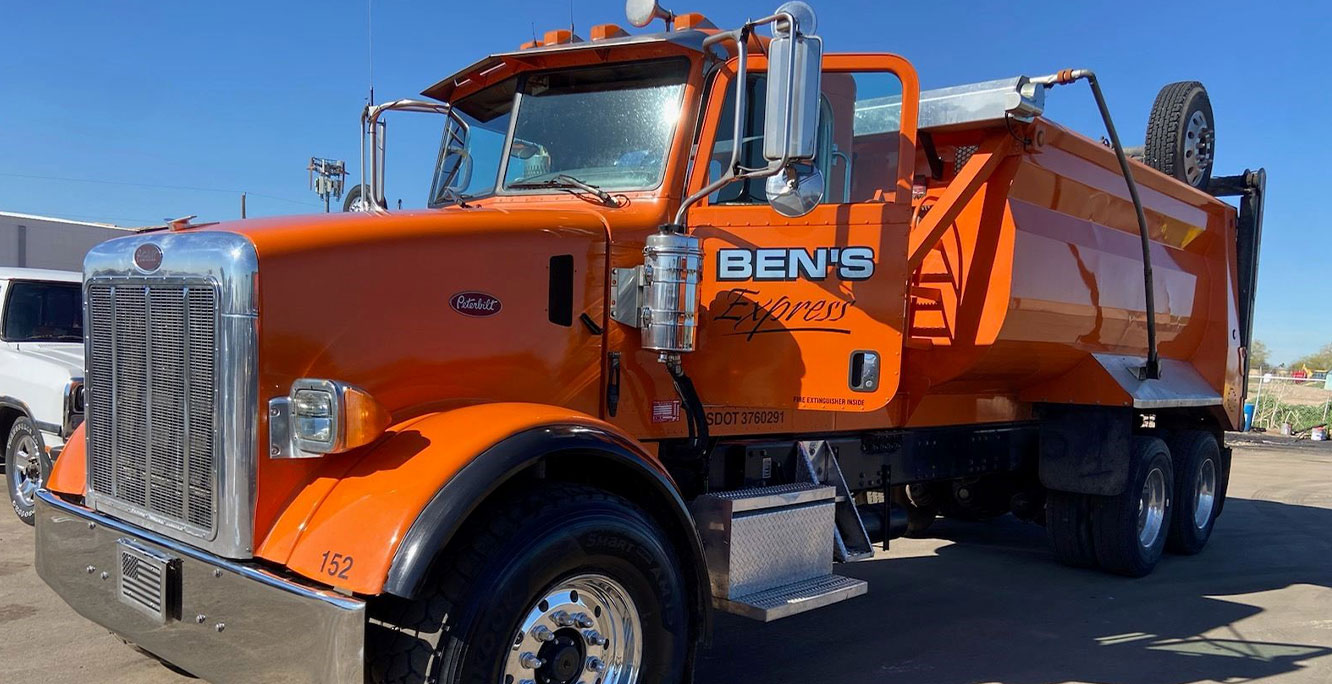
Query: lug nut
x=530, y=661
x=542, y=633
x=582, y=620
x=595, y=664
x=562, y=618
x=594, y=637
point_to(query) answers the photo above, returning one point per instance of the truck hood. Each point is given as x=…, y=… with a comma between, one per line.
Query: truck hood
x=430, y=309
x=279, y=236
x=66, y=355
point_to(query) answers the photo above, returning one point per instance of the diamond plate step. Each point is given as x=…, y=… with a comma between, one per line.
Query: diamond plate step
x=790, y=599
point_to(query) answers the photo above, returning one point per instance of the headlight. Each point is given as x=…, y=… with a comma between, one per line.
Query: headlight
x=323, y=417
x=314, y=413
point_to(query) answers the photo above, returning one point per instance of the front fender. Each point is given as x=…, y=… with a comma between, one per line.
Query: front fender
x=378, y=525
x=69, y=473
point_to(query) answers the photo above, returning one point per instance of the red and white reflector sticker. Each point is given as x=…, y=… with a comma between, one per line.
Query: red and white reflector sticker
x=666, y=411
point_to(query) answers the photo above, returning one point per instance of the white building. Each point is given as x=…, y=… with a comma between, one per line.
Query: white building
x=44, y=242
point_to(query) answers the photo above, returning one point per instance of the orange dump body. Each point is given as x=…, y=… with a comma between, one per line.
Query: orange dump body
x=1038, y=285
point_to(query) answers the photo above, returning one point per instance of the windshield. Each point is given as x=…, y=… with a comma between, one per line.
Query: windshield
x=609, y=126
x=44, y=312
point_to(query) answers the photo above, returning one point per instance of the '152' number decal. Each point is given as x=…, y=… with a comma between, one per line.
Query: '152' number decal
x=336, y=565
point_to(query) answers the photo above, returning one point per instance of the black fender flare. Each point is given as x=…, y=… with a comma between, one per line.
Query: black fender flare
x=8, y=402
x=447, y=511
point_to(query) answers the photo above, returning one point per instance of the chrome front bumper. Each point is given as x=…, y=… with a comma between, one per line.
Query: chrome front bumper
x=226, y=622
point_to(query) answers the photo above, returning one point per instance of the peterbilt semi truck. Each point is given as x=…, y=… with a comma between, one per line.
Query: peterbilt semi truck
x=694, y=318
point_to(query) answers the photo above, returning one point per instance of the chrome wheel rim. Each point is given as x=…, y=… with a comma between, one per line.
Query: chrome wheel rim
x=1151, y=507
x=27, y=470
x=359, y=205
x=584, y=630
x=1198, y=138
x=1204, y=495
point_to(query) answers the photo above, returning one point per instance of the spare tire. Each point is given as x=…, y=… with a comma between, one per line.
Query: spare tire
x=357, y=199
x=1181, y=134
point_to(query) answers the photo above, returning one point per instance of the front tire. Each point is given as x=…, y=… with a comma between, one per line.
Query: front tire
x=26, y=463
x=561, y=583
x=1130, y=529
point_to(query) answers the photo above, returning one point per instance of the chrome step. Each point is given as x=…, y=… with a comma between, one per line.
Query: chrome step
x=791, y=599
x=770, y=550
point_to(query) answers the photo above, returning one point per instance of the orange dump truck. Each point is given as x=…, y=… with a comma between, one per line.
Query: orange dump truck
x=693, y=316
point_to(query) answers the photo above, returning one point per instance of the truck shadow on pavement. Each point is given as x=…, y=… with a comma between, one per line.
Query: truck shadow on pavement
x=987, y=602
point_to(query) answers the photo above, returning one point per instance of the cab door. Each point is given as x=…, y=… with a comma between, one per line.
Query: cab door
x=808, y=312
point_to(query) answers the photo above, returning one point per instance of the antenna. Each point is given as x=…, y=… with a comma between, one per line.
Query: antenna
x=571, y=21
x=370, y=44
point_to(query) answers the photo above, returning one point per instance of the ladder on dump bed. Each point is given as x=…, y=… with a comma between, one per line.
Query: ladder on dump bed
x=770, y=550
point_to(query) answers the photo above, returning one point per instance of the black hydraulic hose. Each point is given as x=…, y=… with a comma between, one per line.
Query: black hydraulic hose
x=695, y=416
x=1152, y=371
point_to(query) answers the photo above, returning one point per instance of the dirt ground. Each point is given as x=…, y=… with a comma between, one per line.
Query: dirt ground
x=978, y=602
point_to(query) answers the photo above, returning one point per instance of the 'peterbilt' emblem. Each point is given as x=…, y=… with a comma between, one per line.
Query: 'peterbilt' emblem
x=148, y=257
x=475, y=304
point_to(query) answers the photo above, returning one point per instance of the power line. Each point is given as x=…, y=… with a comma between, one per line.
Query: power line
x=154, y=185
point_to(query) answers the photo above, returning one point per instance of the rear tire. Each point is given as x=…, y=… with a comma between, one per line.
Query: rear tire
x=1130, y=529
x=526, y=552
x=1068, y=524
x=1181, y=134
x=1199, y=493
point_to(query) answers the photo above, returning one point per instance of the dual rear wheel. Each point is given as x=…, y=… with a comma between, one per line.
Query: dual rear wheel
x=1174, y=493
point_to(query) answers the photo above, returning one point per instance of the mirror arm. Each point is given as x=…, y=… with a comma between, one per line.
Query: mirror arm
x=370, y=127
x=741, y=38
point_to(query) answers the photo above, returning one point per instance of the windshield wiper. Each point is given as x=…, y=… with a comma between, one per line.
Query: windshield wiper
x=566, y=182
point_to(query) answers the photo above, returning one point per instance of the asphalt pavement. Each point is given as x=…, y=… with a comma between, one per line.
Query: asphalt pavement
x=977, y=602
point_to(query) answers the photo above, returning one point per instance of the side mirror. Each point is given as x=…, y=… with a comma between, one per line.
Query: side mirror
x=795, y=65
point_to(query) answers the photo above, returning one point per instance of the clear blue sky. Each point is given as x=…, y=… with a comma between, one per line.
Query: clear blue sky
x=217, y=97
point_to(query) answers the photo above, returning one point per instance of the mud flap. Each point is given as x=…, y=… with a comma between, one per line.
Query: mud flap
x=1085, y=449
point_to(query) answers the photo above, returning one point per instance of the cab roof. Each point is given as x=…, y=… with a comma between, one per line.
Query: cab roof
x=519, y=60
x=15, y=273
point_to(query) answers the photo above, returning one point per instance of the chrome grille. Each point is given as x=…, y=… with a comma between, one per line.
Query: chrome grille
x=151, y=388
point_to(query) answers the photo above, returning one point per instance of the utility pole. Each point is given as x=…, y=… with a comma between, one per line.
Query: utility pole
x=242, y=205
x=326, y=178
